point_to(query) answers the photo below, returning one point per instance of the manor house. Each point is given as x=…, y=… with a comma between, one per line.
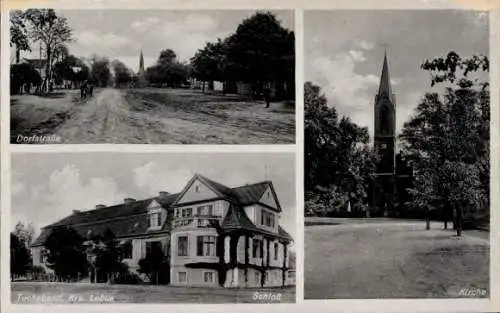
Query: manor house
x=207, y=229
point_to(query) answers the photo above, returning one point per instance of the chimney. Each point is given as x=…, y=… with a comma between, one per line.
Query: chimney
x=76, y=211
x=100, y=206
x=128, y=200
x=163, y=194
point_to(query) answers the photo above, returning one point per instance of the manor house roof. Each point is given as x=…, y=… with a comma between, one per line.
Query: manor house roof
x=129, y=219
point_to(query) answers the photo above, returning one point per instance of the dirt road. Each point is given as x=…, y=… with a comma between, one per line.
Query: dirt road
x=155, y=116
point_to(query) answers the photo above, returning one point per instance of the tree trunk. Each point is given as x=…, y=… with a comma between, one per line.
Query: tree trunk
x=428, y=220
x=18, y=54
x=459, y=222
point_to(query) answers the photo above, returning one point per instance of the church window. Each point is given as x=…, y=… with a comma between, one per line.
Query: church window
x=385, y=124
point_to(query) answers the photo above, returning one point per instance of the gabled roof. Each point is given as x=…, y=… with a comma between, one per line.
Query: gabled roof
x=224, y=191
x=237, y=219
x=251, y=194
x=126, y=219
x=130, y=219
x=242, y=195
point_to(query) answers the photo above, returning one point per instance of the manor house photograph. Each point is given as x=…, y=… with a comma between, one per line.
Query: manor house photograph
x=214, y=235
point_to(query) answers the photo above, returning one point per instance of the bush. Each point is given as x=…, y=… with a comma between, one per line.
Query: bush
x=128, y=278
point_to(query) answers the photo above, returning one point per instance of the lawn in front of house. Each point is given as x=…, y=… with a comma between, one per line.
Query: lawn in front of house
x=43, y=292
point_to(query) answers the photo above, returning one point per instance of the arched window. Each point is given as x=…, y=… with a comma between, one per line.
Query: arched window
x=385, y=120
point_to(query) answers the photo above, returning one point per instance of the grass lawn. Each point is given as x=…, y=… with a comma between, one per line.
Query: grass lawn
x=383, y=258
x=40, y=292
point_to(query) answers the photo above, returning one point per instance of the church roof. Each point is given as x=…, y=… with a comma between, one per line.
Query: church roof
x=385, y=80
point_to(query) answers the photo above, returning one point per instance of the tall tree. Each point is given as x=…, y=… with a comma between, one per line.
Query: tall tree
x=122, y=74
x=19, y=33
x=447, y=141
x=100, y=71
x=211, y=63
x=51, y=30
x=66, y=253
x=155, y=265
x=25, y=233
x=261, y=51
x=338, y=159
x=109, y=257
x=20, y=256
x=167, y=70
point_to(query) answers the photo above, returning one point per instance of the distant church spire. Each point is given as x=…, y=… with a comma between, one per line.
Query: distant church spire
x=385, y=80
x=141, y=64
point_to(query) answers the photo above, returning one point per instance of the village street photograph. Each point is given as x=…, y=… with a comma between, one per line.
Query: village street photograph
x=153, y=228
x=397, y=165
x=152, y=77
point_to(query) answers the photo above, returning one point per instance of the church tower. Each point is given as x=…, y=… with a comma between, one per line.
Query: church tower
x=141, y=75
x=141, y=64
x=385, y=143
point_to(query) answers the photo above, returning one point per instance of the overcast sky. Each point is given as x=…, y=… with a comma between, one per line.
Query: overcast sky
x=344, y=53
x=57, y=183
x=121, y=34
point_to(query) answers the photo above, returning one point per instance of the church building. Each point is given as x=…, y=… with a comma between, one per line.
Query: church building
x=141, y=75
x=392, y=175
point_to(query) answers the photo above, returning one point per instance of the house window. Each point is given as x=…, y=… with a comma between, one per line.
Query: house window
x=127, y=250
x=182, y=277
x=205, y=246
x=186, y=212
x=205, y=210
x=155, y=220
x=256, y=248
x=197, y=188
x=42, y=256
x=208, y=277
x=267, y=219
x=257, y=277
x=276, y=247
x=153, y=247
x=182, y=246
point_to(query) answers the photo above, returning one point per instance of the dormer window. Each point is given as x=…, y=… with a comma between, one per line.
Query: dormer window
x=267, y=219
x=155, y=218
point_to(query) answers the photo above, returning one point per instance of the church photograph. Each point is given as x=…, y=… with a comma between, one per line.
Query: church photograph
x=153, y=76
x=396, y=147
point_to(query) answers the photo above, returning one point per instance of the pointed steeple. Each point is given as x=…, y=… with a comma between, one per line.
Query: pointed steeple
x=385, y=80
x=141, y=64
